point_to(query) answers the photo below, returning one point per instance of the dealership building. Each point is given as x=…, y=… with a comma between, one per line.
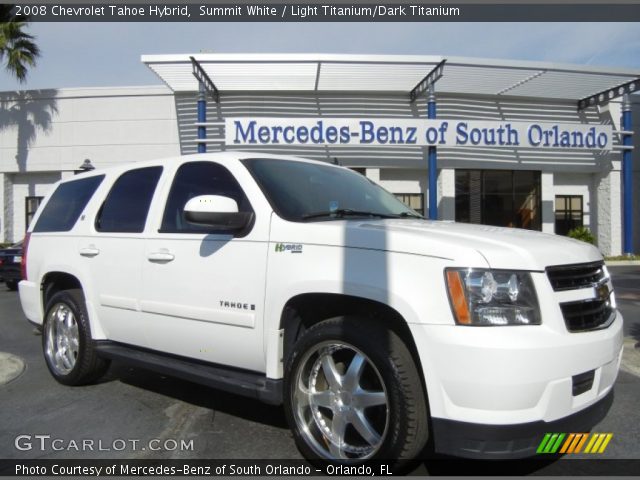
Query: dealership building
x=532, y=145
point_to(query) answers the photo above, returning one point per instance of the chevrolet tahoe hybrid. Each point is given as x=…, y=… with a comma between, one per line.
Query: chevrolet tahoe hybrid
x=302, y=283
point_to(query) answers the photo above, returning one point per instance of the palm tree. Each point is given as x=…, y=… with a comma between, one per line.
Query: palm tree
x=17, y=49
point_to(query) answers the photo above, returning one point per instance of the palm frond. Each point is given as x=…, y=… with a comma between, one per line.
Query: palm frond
x=18, y=49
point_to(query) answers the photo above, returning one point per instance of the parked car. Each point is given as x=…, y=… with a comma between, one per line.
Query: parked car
x=301, y=283
x=10, y=260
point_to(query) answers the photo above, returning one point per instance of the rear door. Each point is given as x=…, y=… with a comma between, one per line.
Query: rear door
x=115, y=251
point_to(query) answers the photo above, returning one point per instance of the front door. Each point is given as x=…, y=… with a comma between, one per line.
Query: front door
x=203, y=290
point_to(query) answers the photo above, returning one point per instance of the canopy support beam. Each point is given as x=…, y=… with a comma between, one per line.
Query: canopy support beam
x=432, y=77
x=205, y=85
x=627, y=177
x=601, y=98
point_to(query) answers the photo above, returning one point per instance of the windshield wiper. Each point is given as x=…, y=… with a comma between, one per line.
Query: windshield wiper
x=347, y=212
x=410, y=215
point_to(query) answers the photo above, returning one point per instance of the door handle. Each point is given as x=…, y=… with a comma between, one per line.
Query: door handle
x=90, y=251
x=161, y=257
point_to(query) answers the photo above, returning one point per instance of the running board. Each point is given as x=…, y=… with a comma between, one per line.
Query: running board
x=240, y=382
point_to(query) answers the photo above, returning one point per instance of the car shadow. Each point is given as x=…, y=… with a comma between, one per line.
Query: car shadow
x=634, y=331
x=198, y=395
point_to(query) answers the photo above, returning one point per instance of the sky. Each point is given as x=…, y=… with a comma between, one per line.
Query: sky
x=108, y=54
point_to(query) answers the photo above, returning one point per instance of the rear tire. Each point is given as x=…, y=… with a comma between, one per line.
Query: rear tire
x=353, y=394
x=67, y=343
x=11, y=285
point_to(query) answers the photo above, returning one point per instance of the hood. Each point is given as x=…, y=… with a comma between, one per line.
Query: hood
x=509, y=248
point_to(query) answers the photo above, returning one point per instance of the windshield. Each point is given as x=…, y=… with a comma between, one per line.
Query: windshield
x=300, y=191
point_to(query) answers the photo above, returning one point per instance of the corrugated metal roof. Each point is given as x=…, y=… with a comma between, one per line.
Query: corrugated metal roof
x=388, y=73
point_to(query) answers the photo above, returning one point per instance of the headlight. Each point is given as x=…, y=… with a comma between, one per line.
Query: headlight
x=492, y=297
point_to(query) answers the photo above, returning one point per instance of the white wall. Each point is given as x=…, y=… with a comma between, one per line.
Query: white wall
x=46, y=134
x=47, y=130
x=398, y=180
x=26, y=185
x=547, y=193
x=446, y=194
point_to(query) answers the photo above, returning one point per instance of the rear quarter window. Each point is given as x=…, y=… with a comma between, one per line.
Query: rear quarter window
x=66, y=204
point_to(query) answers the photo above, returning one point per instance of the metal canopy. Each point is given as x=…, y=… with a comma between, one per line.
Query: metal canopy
x=389, y=73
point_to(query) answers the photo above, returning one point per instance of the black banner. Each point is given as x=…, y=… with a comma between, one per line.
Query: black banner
x=328, y=12
x=550, y=465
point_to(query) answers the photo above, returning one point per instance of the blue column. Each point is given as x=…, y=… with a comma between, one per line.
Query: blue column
x=627, y=172
x=433, y=160
x=202, y=117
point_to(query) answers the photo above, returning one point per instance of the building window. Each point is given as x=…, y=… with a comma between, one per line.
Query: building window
x=31, y=205
x=361, y=171
x=569, y=213
x=412, y=200
x=505, y=198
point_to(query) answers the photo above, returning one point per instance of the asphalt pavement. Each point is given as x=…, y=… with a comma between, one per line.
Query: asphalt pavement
x=132, y=413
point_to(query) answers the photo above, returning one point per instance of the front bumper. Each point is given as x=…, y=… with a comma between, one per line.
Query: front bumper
x=495, y=381
x=499, y=442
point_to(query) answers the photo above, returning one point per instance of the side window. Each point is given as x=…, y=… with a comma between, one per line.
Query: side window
x=126, y=207
x=199, y=178
x=66, y=204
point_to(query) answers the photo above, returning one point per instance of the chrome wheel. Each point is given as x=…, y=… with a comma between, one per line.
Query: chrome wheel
x=62, y=340
x=340, y=402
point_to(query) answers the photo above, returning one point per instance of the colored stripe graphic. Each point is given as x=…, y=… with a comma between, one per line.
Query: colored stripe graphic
x=568, y=442
x=556, y=445
x=581, y=443
x=606, y=442
x=594, y=443
x=543, y=443
x=574, y=442
x=598, y=442
x=550, y=443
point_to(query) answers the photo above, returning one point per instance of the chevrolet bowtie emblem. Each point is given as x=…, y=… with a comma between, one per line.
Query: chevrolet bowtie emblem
x=602, y=291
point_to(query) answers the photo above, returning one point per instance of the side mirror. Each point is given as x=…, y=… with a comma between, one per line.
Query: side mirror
x=216, y=211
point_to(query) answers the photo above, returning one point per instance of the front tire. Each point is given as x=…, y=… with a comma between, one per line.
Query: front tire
x=66, y=340
x=353, y=394
x=12, y=285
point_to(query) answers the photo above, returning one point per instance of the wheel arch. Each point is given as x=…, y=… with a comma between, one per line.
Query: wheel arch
x=304, y=310
x=57, y=281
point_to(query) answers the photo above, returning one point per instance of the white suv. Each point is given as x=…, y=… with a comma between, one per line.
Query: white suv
x=304, y=283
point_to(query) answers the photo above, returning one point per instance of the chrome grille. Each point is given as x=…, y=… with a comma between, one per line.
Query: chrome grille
x=572, y=277
x=584, y=315
x=587, y=315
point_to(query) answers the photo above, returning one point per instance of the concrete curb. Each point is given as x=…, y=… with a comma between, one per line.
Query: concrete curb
x=10, y=367
x=622, y=263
